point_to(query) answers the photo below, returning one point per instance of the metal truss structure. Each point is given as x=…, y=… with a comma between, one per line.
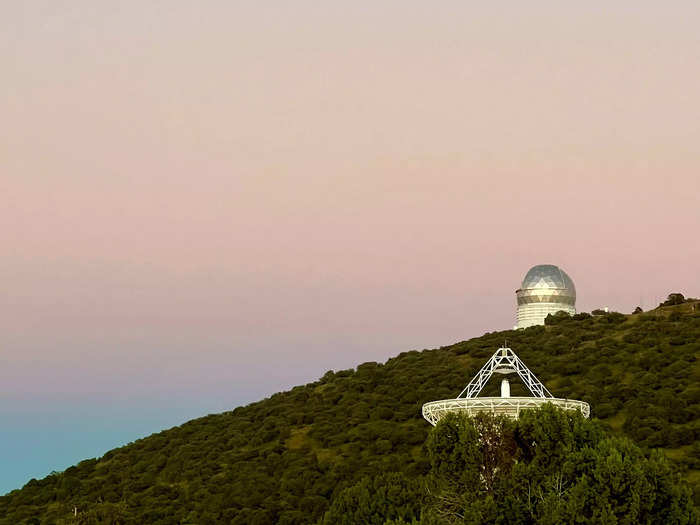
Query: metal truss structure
x=504, y=361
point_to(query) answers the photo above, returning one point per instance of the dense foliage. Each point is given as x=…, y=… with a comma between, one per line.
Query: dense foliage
x=549, y=467
x=298, y=455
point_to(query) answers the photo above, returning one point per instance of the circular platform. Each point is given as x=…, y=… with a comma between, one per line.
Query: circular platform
x=503, y=406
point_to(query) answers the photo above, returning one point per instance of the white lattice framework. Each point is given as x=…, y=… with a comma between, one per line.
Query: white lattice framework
x=504, y=361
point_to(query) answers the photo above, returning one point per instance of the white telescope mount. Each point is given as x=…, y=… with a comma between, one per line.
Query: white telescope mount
x=505, y=362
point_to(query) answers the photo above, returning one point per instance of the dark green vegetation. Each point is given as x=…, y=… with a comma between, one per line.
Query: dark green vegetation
x=297, y=455
x=550, y=467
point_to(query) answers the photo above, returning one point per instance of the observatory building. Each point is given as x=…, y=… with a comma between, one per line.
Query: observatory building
x=505, y=362
x=546, y=289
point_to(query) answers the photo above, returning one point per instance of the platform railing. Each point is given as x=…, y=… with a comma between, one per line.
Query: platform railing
x=507, y=406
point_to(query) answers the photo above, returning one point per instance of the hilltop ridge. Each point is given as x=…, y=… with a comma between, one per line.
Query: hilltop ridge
x=285, y=458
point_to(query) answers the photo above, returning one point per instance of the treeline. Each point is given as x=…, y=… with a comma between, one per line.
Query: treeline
x=287, y=459
x=549, y=467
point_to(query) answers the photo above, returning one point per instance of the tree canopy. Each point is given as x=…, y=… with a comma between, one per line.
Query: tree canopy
x=548, y=467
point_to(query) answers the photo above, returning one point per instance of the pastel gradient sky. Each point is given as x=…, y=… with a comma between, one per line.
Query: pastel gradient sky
x=203, y=203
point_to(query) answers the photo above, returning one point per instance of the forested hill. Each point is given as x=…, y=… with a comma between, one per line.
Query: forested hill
x=285, y=459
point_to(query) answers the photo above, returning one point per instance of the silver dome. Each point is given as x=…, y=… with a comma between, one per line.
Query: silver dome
x=548, y=276
x=546, y=283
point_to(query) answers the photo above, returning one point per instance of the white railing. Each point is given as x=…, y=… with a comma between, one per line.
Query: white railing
x=507, y=406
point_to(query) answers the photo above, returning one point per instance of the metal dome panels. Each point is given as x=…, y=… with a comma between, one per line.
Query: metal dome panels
x=549, y=277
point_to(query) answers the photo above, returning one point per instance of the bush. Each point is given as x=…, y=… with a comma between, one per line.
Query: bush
x=553, y=319
x=673, y=299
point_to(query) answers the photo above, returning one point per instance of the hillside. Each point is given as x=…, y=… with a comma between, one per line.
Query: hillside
x=285, y=458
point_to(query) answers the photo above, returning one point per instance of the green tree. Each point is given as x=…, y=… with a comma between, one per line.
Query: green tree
x=549, y=467
x=377, y=500
x=673, y=299
x=557, y=318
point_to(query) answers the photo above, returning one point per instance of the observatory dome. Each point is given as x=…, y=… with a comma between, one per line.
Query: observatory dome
x=546, y=289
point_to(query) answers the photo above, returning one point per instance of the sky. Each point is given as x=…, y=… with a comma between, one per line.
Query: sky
x=204, y=203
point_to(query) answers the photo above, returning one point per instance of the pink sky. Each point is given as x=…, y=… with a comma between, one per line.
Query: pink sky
x=204, y=203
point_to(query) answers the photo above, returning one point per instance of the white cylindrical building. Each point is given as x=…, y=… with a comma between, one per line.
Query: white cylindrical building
x=546, y=289
x=505, y=388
